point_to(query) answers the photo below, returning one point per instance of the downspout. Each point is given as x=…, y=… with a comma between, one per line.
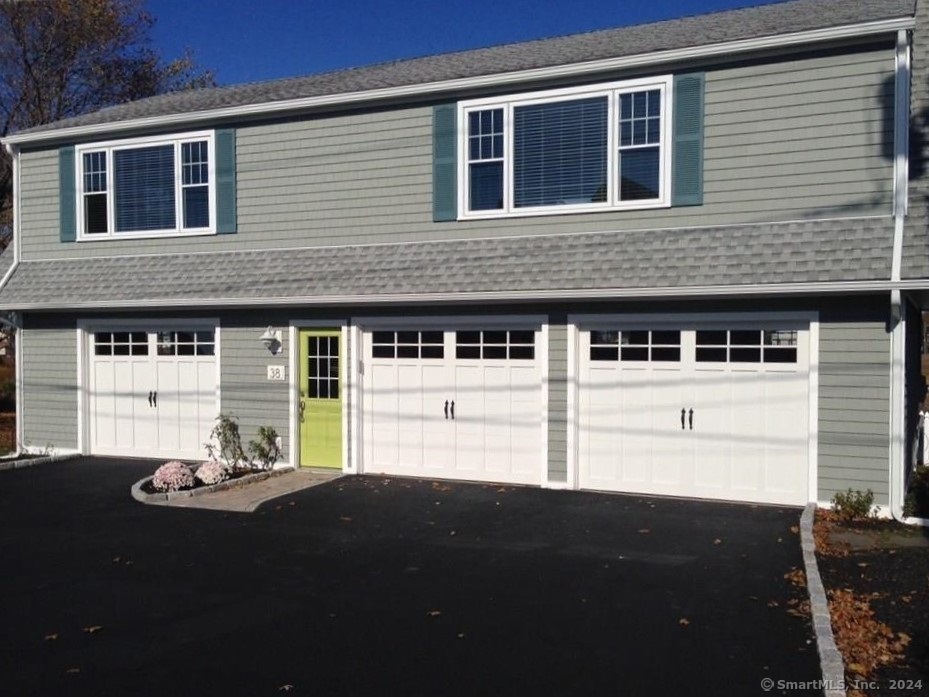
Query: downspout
x=16, y=323
x=898, y=463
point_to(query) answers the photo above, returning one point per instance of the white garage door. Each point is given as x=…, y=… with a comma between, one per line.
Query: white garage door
x=152, y=393
x=703, y=411
x=463, y=404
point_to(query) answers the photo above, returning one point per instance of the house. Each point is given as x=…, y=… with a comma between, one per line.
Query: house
x=682, y=258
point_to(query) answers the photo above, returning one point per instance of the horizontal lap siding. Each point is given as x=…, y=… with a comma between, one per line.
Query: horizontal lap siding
x=557, y=399
x=50, y=387
x=802, y=138
x=854, y=401
x=246, y=392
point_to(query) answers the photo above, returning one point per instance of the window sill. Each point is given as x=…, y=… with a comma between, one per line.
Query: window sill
x=148, y=235
x=561, y=210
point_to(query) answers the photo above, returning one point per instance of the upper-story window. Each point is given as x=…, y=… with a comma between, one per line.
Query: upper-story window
x=146, y=186
x=580, y=149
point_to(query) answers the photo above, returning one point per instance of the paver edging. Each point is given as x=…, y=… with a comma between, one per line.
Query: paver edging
x=160, y=498
x=29, y=462
x=830, y=659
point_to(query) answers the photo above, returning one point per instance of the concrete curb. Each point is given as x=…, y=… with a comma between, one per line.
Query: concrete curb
x=29, y=462
x=833, y=667
x=144, y=497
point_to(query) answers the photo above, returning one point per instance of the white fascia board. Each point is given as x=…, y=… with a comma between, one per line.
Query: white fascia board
x=850, y=31
x=773, y=289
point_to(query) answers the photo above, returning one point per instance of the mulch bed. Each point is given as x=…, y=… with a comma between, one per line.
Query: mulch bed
x=7, y=432
x=876, y=574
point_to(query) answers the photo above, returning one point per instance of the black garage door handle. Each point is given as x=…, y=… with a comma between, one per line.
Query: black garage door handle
x=691, y=419
x=453, y=409
x=155, y=399
x=150, y=398
x=683, y=414
x=446, y=408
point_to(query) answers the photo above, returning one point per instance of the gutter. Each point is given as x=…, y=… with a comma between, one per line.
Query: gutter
x=898, y=464
x=330, y=101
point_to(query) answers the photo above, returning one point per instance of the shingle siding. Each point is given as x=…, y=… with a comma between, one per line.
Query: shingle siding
x=800, y=138
x=557, y=398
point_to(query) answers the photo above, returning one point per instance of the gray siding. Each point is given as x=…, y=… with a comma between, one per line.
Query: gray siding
x=807, y=137
x=854, y=408
x=50, y=397
x=557, y=399
x=246, y=392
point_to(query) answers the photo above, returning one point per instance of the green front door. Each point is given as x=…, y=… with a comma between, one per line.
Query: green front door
x=320, y=398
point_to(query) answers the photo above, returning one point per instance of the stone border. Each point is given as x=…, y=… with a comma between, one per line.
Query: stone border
x=144, y=497
x=830, y=659
x=16, y=464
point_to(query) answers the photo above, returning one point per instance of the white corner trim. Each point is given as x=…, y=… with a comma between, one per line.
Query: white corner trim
x=83, y=422
x=543, y=360
x=849, y=31
x=18, y=376
x=573, y=375
x=14, y=231
x=897, y=447
x=813, y=408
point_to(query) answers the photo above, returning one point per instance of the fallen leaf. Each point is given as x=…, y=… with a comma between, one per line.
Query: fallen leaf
x=461, y=635
x=717, y=541
x=73, y=671
x=345, y=519
x=51, y=637
x=93, y=629
x=285, y=688
x=644, y=531
x=794, y=529
x=453, y=533
x=683, y=621
x=293, y=503
x=116, y=560
x=434, y=613
x=773, y=603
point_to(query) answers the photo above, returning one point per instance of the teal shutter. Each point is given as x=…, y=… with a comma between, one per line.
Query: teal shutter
x=444, y=162
x=225, y=182
x=67, y=203
x=687, y=153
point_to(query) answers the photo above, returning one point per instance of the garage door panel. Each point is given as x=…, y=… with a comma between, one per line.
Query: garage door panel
x=151, y=403
x=469, y=413
x=745, y=397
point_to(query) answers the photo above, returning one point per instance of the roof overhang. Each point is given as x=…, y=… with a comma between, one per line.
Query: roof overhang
x=310, y=104
x=616, y=294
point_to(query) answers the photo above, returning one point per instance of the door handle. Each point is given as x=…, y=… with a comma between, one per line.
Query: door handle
x=150, y=399
x=453, y=410
x=683, y=414
x=446, y=408
x=302, y=409
x=691, y=419
x=155, y=399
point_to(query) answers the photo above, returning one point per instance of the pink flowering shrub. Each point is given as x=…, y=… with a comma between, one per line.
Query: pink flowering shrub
x=173, y=476
x=212, y=472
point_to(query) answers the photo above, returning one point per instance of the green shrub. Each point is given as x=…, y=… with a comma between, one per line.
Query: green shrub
x=853, y=505
x=916, y=502
x=265, y=448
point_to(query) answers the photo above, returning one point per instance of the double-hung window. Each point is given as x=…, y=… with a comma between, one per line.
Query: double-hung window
x=582, y=149
x=144, y=187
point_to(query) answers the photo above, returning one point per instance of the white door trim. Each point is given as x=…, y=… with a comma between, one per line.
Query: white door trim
x=348, y=386
x=578, y=321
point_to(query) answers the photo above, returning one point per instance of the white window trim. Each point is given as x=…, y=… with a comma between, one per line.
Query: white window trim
x=109, y=147
x=611, y=90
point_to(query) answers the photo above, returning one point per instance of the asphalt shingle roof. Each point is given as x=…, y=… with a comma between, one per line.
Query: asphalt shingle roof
x=797, y=252
x=732, y=25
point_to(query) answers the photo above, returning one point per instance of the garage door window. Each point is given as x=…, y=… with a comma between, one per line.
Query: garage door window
x=636, y=345
x=120, y=344
x=747, y=346
x=408, y=344
x=514, y=344
x=186, y=343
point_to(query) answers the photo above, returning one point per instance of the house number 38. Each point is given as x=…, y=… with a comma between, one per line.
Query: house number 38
x=276, y=372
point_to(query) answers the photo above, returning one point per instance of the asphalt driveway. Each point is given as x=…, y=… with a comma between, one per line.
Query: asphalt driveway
x=369, y=586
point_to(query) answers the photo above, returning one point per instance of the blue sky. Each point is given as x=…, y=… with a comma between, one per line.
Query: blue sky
x=249, y=40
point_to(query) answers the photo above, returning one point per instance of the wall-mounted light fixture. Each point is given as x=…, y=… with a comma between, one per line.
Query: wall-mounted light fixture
x=271, y=340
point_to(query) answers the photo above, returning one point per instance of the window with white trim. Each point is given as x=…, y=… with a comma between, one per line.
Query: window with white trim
x=582, y=149
x=150, y=186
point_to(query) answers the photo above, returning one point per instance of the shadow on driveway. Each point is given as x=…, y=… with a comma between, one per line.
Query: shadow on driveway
x=367, y=586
